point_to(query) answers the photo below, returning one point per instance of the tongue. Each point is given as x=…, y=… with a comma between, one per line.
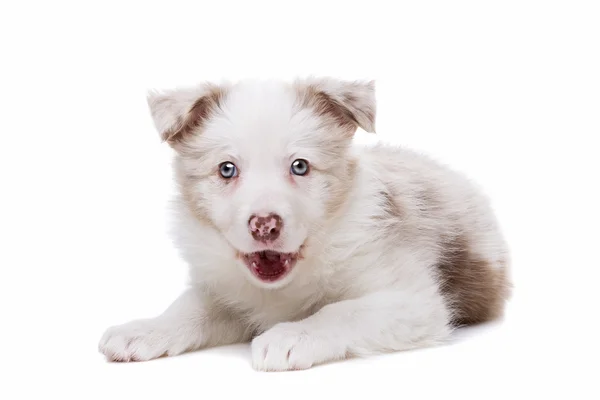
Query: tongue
x=270, y=264
x=265, y=267
x=272, y=256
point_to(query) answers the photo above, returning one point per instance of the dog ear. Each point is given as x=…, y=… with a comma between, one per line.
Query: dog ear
x=179, y=112
x=347, y=103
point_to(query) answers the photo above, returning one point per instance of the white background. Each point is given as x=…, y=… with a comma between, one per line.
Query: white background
x=506, y=91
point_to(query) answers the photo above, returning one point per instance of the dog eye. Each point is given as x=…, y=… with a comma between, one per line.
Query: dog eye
x=227, y=170
x=299, y=167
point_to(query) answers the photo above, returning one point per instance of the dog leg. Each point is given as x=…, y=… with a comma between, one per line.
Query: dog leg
x=187, y=325
x=377, y=323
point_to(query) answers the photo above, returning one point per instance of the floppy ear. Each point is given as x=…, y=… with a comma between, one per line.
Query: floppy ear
x=347, y=103
x=178, y=113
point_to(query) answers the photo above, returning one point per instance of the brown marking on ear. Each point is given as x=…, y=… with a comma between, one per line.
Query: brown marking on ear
x=200, y=111
x=350, y=98
x=475, y=288
x=325, y=106
x=346, y=104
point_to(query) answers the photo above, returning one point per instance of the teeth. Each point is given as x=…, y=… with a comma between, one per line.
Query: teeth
x=254, y=265
x=286, y=262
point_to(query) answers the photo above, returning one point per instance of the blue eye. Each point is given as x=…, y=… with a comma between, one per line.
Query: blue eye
x=299, y=167
x=228, y=170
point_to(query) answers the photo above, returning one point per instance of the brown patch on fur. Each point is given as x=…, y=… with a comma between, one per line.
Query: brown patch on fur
x=428, y=198
x=390, y=206
x=340, y=188
x=200, y=111
x=389, y=220
x=186, y=185
x=475, y=289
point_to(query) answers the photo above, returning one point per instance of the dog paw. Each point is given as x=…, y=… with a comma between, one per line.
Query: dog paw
x=140, y=340
x=292, y=346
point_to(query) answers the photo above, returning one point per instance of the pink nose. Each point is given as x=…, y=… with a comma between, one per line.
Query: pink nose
x=265, y=228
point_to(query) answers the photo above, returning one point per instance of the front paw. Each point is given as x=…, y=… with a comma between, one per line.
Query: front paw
x=294, y=346
x=141, y=340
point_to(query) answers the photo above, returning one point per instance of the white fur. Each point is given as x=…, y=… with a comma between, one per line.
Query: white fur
x=367, y=283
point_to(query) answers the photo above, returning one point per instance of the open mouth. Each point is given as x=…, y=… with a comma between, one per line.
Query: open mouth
x=268, y=265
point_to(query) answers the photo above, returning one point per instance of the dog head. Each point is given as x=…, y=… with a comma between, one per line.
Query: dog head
x=266, y=163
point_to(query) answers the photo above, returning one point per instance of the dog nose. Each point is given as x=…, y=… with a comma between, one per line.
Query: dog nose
x=265, y=228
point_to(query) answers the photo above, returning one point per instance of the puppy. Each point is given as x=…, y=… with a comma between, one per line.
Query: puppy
x=310, y=247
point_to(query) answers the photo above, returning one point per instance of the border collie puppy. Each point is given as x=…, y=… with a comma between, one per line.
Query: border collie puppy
x=306, y=245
